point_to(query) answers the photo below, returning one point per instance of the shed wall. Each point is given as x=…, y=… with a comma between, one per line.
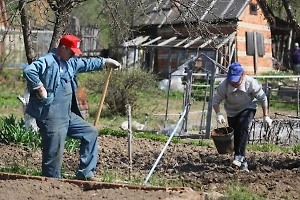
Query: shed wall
x=259, y=24
x=246, y=23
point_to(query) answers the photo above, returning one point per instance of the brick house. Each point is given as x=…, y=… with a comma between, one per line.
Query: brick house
x=234, y=31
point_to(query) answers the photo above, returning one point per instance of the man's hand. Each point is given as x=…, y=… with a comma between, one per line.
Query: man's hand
x=42, y=93
x=220, y=118
x=268, y=120
x=115, y=64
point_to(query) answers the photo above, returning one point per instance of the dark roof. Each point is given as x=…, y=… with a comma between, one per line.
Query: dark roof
x=167, y=12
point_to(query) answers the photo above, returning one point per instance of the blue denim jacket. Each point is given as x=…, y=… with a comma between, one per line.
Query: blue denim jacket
x=45, y=71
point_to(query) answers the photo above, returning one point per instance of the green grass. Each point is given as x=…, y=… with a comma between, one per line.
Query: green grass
x=9, y=99
x=156, y=137
x=239, y=192
x=269, y=147
x=202, y=142
x=17, y=168
x=266, y=147
x=288, y=106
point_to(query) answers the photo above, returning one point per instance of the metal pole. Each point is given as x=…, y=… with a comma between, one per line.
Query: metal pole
x=170, y=78
x=267, y=91
x=127, y=55
x=209, y=109
x=298, y=95
x=203, y=106
x=151, y=61
x=129, y=141
x=187, y=95
x=212, y=87
x=166, y=145
x=134, y=56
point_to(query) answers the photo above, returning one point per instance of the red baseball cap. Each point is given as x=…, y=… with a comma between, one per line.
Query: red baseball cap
x=71, y=41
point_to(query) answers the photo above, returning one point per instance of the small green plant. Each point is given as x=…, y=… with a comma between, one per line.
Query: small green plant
x=157, y=181
x=109, y=176
x=296, y=148
x=201, y=142
x=117, y=133
x=72, y=144
x=156, y=137
x=163, y=182
x=14, y=130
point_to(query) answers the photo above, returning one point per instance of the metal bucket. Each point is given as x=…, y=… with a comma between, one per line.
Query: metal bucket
x=223, y=139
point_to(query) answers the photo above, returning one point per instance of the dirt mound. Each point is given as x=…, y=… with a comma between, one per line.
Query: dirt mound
x=273, y=175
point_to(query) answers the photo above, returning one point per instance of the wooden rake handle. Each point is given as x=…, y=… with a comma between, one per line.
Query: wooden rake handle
x=103, y=95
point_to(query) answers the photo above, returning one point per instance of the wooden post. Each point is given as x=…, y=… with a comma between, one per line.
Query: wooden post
x=255, y=52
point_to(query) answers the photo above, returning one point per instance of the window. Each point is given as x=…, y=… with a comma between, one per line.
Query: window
x=250, y=46
x=253, y=8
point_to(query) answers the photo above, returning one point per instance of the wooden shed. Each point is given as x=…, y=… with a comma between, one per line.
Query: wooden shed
x=233, y=30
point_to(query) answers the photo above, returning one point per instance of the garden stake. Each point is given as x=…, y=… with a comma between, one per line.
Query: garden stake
x=103, y=95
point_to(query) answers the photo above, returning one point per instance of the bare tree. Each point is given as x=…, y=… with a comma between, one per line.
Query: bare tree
x=291, y=15
x=120, y=16
x=62, y=10
x=50, y=14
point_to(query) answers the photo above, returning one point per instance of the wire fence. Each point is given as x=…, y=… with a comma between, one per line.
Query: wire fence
x=285, y=130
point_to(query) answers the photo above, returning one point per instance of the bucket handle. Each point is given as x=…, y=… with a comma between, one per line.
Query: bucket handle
x=225, y=126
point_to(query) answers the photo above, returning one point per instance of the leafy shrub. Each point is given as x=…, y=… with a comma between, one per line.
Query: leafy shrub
x=124, y=88
x=276, y=82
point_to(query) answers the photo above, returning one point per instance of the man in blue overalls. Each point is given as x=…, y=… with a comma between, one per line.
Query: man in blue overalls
x=53, y=103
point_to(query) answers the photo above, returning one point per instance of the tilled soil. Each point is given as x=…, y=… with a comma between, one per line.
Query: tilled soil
x=272, y=175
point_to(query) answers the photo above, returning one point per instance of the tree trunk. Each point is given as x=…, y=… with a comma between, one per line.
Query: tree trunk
x=30, y=54
x=268, y=15
x=291, y=16
x=60, y=27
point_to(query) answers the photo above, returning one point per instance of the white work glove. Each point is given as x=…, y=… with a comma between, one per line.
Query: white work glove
x=268, y=120
x=42, y=93
x=220, y=118
x=115, y=64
